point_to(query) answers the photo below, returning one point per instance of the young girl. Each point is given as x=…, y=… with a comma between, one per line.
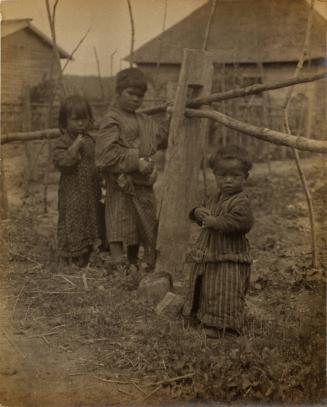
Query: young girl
x=79, y=191
x=125, y=145
x=220, y=261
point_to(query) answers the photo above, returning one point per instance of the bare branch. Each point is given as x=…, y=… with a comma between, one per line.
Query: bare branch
x=54, y=10
x=241, y=92
x=112, y=55
x=304, y=182
x=131, y=61
x=160, y=44
x=99, y=73
x=206, y=35
x=303, y=56
x=30, y=135
x=262, y=133
x=80, y=42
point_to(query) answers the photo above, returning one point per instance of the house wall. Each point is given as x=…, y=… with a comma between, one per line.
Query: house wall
x=26, y=60
x=308, y=100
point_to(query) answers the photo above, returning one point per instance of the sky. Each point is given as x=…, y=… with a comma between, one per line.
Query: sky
x=109, y=24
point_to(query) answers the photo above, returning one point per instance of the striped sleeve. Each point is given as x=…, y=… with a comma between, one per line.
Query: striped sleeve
x=237, y=218
x=111, y=154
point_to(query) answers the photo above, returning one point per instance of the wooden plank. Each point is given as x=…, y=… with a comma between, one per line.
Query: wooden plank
x=3, y=189
x=185, y=150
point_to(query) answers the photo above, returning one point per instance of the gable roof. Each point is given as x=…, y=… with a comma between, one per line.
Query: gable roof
x=241, y=31
x=11, y=26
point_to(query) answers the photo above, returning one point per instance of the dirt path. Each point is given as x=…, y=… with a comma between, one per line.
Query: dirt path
x=65, y=345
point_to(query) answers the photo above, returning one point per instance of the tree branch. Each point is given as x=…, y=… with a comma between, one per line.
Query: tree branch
x=304, y=182
x=262, y=133
x=206, y=35
x=30, y=135
x=99, y=73
x=132, y=32
x=237, y=93
x=80, y=42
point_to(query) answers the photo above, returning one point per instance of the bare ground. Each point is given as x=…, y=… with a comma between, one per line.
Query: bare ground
x=67, y=343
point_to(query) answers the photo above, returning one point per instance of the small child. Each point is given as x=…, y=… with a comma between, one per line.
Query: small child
x=125, y=146
x=220, y=261
x=79, y=191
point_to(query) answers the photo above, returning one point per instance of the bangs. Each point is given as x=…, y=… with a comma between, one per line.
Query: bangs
x=79, y=111
x=76, y=106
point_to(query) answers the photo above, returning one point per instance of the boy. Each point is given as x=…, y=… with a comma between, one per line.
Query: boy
x=124, y=150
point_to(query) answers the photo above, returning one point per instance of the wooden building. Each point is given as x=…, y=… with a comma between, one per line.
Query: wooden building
x=26, y=58
x=252, y=41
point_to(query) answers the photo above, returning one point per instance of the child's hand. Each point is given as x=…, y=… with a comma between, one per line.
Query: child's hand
x=78, y=143
x=200, y=213
x=145, y=167
x=208, y=222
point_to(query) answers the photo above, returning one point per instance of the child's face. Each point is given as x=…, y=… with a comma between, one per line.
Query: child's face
x=130, y=99
x=230, y=176
x=77, y=124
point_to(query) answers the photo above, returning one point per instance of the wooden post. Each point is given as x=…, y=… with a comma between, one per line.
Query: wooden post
x=3, y=189
x=184, y=154
x=27, y=126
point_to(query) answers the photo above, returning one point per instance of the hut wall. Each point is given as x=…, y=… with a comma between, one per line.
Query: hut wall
x=26, y=60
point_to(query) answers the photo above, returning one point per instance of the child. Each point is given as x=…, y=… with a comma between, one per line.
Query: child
x=79, y=191
x=125, y=145
x=220, y=261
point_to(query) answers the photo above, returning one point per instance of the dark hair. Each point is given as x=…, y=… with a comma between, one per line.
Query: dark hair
x=231, y=151
x=131, y=78
x=77, y=105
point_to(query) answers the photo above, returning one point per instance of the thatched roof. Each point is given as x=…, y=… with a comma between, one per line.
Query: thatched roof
x=242, y=31
x=11, y=26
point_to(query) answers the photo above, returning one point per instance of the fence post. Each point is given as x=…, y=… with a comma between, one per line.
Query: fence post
x=183, y=159
x=27, y=126
x=3, y=188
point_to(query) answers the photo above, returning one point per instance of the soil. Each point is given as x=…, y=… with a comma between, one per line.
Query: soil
x=72, y=337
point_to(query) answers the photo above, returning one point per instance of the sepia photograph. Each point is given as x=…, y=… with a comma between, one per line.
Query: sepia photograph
x=163, y=203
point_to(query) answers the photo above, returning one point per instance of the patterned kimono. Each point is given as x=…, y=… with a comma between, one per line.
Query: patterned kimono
x=220, y=264
x=123, y=139
x=79, y=197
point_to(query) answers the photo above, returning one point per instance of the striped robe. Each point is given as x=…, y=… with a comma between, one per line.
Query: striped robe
x=130, y=203
x=219, y=264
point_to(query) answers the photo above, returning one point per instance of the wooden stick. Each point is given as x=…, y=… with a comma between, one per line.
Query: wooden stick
x=262, y=133
x=17, y=299
x=173, y=379
x=296, y=155
x=52, y=24
x=131, y=61
x=66, y=279
x=30, y=135
x=156, y=78
x=206, y=35
x=80, y=42
x=85, y=281
x=112, y=55
x=42, y=335
x=99, y=73
x=112, y=380
x=152, y=393
x=204, y=47
x=237, y=93
x=3, y=189
x=139, y=388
